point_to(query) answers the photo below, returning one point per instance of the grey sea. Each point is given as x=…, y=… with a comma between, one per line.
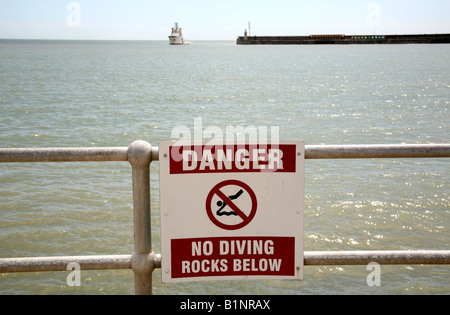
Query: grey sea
x=111, y=93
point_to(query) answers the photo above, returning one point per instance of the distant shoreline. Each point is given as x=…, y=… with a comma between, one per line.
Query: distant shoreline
x=339, y=39
x=109, y=40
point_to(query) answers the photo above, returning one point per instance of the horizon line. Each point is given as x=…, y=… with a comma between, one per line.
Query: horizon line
x=136, y=39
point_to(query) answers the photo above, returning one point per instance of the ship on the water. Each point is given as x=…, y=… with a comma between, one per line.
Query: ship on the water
x=344, y=39
x=176, y=37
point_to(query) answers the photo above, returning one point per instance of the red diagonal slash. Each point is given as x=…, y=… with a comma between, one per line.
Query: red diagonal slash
x=231, y=204
x=246, y=219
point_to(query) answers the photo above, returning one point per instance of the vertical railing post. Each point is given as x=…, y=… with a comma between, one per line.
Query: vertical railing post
x=142, y=262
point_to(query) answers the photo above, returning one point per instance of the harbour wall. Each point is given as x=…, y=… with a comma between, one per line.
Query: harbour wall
x=344, y=39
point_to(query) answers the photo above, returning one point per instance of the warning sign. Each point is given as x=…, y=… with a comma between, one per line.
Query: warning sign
x=231, y=212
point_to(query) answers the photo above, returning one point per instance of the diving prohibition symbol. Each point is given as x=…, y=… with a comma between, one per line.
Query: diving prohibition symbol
x=231, y=205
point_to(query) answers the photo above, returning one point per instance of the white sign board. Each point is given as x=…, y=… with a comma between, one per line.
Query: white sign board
x=231, y=212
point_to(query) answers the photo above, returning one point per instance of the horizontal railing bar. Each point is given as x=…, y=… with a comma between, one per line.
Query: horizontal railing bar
x=341, y=258
x=377, y=151
x=155, y=153
x=40, y=264
x=311, y=152
x=325, y=258
x=64, y=155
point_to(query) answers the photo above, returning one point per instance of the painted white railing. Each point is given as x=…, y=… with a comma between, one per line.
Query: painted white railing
x=143, y=260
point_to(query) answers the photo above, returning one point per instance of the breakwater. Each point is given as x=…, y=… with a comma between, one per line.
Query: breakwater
x=344, y=39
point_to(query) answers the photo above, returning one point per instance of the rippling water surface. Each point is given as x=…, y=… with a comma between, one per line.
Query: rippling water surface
x=83, y=94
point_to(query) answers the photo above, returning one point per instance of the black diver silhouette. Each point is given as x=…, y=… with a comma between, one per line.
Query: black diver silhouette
x=222, y=205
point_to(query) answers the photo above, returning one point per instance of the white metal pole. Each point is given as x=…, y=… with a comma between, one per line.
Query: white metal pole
x=142, y=261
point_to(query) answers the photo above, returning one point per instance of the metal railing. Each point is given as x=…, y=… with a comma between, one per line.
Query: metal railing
x=143, y=260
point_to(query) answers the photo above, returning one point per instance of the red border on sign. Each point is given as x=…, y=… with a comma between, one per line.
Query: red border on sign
x=245, y=219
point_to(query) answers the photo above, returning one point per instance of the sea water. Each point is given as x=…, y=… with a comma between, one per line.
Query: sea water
x=111, y=93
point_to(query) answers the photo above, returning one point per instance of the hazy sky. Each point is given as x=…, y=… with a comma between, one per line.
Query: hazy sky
x=217, y=20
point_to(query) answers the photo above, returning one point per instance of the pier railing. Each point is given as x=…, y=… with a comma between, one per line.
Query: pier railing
x=143, y=260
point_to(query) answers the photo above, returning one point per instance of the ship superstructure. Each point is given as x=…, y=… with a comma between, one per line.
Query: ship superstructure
x=176, y=38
